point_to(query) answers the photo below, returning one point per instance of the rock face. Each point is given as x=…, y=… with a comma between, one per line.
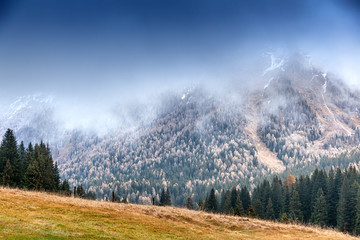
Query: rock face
x=198, y=139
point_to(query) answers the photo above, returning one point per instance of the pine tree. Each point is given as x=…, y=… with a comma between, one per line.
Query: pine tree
x=303, y=187
x=238, y=211
x=80, y=192
x=276, y=196
x=319, y=215
x=226, y=202
x=65, y=188
x=9, y=152
x=22, y=154
x=346, y=214
x=234, y=196
x=270, y=214
x=8, y=175
x=167, y=197
x=258, y=208
x=211, y=204
x=189, y=203
x=33, y=176
x=295, y=207
x=357, y=220
x=332, y=199
x=245, y=198
x=56, y=177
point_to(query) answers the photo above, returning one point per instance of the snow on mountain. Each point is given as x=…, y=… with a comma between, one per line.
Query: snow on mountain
x=196, y=139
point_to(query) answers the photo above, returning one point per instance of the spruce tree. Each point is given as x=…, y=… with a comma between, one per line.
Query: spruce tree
x=211, y=204
x=226, y=202
x=8, y=175
x=295, y=207
x=346, y=207
x=32, y=176
x=167, y=197
x=238, y=211
x=270, y=214
x=319, y=215
x=56, y=177
x=189, y=203
x=245, y=198
x=357, y=220
x=80, y=192
x=332, y=199
x=65, y=188
x=9, y=152
x=276, y=196
x=22, y=153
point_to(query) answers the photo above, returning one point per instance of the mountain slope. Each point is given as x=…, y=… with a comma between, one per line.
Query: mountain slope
x=295, y=117
x=31, y=215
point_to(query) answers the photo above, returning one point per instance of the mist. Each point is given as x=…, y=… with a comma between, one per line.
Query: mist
x=108, y=61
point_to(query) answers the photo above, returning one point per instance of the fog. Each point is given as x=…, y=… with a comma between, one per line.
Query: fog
x=106, y=62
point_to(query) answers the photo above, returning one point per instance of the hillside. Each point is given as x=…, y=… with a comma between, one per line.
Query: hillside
x=32, y=215
x=294, y=117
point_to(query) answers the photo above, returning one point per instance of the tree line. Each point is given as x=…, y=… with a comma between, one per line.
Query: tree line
x=29, y=168
x=327, y=199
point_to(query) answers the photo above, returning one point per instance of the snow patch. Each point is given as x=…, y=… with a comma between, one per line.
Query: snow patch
x=268, y=84
x=276, y=63
x=324, y=86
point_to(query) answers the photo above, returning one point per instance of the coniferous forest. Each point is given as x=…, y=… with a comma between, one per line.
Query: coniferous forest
x=327, y=199
x=30, y=168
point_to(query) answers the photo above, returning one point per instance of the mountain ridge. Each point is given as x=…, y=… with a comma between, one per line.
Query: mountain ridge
x=198, y=140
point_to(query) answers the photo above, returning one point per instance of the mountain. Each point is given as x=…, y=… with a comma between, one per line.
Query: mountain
x=297, y=117
x=32, y=118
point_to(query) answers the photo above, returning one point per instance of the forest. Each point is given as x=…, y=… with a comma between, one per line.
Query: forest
x=324, y=198
x=327, y=199
x=32, y=168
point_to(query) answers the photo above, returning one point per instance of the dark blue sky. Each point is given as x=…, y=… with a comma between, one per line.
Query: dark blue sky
x=111, y=48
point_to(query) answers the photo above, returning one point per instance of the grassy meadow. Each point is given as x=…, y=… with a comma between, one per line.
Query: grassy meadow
x=34, y=215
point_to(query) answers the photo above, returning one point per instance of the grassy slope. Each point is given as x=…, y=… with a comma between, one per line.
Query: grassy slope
x=31, y=215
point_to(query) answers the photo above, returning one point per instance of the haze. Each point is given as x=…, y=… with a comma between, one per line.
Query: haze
x=92, y=55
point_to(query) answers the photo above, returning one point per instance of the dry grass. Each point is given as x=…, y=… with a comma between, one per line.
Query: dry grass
x=31, y=215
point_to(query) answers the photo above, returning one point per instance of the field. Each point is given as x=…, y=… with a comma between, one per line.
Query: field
x=32, y=215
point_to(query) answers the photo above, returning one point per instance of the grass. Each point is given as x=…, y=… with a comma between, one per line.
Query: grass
x=32, y=215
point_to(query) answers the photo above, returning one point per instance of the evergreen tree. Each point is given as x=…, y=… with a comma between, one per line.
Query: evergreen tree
x=211, y=204
x=9, y=152
x=234, y=196
x=332, y=199
x=319, y=215
x=22, y=154
x=304, y=190
x=80, y=192
x=8, y=175
x=295, y=207
x=357, y=220
x=258, y=208
x=167, y=197
x=56, y=177
x=245, y=197
x=65, y=188
x=33, y=176
x=270, y=214
x=189, y=203
x=276, y=196
x=238, y=206
x=226, y=202
x=346, y=207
